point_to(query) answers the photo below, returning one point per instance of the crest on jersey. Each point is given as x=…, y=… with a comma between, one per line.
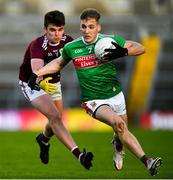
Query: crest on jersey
x=93, y=104
x=45, y=42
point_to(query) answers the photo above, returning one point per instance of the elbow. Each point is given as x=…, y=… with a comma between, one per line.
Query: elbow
x=143, y=51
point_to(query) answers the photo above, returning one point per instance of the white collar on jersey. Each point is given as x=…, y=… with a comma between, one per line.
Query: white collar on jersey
x=52, y=44
x=90, y=42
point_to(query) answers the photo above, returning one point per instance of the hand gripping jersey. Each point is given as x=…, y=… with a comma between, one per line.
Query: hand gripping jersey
x=40, y=48
x=97, y=79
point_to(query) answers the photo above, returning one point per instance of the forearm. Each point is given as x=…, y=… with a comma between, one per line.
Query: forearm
x=135, y=49
x=50, y=68
x=37, y=64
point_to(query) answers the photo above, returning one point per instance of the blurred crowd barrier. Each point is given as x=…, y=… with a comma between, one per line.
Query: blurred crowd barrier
x=147, y=80
x=31, y=120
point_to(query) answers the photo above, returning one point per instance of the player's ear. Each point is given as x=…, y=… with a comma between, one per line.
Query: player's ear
x=45, y=29
x=99, y=27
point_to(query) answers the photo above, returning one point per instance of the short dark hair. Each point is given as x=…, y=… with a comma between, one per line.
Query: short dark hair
x=54, y=17
x=90, y=13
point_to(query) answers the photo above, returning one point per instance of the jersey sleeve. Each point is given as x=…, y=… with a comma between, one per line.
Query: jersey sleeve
x=65, y=53
x=121, y=41
x=36, y=50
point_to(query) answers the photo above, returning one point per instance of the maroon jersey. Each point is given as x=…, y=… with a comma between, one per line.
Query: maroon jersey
x=40, y=48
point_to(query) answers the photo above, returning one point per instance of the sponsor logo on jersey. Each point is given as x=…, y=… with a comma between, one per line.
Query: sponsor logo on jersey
x=49, y=54
x=55, y=54
x=77, y=51
x=86, y=61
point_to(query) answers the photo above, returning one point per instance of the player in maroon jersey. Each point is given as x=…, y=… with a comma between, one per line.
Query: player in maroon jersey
x=49, y=99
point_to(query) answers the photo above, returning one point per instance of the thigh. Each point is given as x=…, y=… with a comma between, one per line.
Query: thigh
x=125, y=118
x=45, y=105
x=59, y=105
x=105, y=114
x=40, y=100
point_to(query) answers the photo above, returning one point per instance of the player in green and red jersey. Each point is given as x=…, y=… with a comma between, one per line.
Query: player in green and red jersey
x=101, y=92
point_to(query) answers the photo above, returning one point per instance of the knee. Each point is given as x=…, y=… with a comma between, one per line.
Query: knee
x=55, y=117
x=120, y=127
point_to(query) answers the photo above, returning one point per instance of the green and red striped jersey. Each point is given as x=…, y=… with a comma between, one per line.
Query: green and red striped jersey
x=97, y=79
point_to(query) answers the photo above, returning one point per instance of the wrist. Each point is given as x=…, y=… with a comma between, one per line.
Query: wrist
x=126, y=51
x=34, y=75
x=41, y=84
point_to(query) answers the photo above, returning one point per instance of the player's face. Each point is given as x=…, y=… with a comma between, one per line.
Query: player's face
x=89, y=29
x=54, y=33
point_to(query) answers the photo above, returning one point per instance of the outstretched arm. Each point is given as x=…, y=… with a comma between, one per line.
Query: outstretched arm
x=52, y=67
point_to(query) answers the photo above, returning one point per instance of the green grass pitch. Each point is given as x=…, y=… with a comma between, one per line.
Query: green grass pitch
x=19, y=156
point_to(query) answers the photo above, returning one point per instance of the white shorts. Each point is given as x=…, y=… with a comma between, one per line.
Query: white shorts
x=32, y=94
x=117, y=103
